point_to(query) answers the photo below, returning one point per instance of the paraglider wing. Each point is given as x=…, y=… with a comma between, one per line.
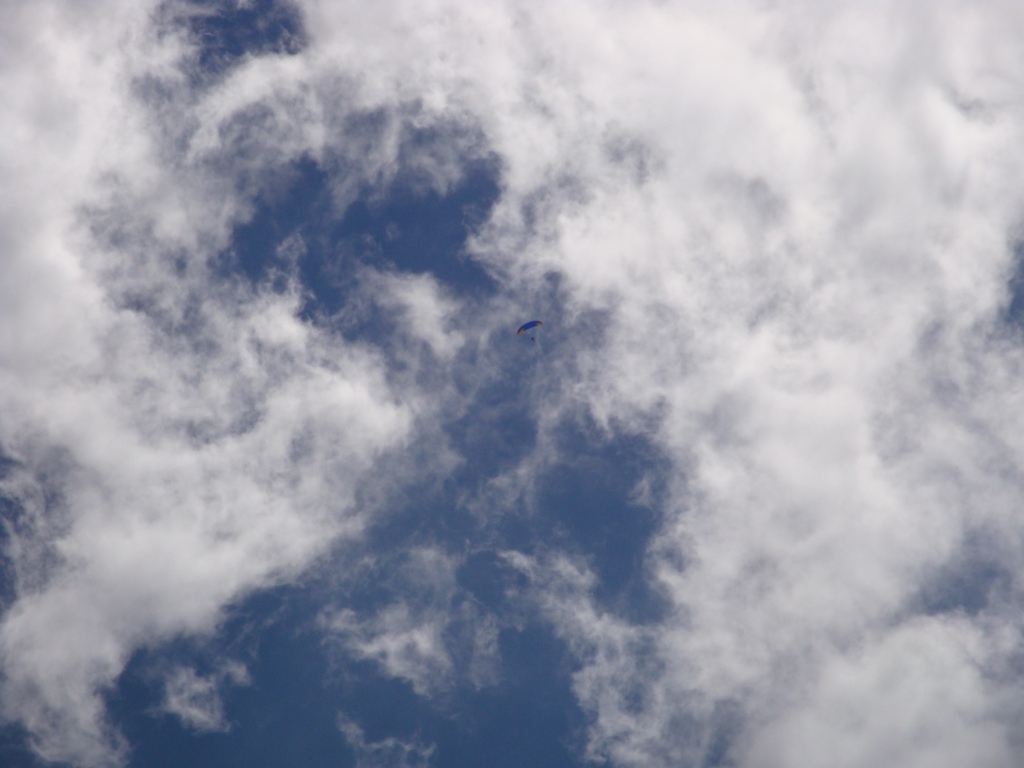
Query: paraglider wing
x=529, y=325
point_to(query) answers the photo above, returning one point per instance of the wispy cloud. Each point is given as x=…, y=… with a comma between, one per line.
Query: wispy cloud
x=196, y=699
x=387, y=753
x=779, y=243
x=431, y=633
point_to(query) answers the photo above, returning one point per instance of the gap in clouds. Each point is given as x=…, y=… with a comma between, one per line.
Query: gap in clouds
x=288, y=713
x=1014, y=316
x=971, y=582
x=15, y=751
x=601, y=501
x=227, y=31
x=408, y=228
x=283, y=715
x=12, y=518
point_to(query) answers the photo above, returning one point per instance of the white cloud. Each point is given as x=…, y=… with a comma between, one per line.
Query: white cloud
x=196, y=700
x=809, y=287
x=432, y=634
x=797, y=221
x=386, y=753
x=178, y=441
x=425, y=312
x=803, y=249
x=914, y=697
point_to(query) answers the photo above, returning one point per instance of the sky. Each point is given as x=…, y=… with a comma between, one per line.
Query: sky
x=280, y=484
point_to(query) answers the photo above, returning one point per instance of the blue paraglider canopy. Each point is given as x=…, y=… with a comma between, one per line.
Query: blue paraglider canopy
x=528, y=326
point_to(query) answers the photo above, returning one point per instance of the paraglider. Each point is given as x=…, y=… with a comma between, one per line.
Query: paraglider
x=529, y=326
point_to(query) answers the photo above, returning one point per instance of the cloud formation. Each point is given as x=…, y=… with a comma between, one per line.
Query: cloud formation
x=431, y=635
x=779, y=243
x=387, y=753
x=195, y=699
x=177, y=440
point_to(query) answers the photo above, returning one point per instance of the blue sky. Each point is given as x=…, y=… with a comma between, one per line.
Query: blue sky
x=281, y=485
